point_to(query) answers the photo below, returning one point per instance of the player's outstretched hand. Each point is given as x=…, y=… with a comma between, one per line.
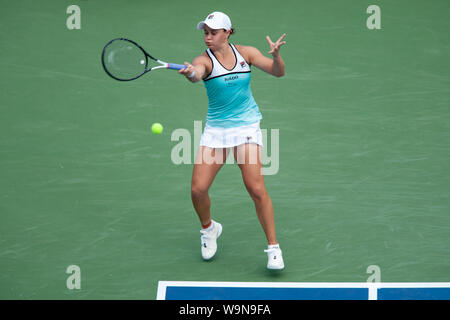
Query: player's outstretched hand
x=275, y=47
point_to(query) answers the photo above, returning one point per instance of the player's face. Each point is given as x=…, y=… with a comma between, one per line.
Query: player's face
x=214, y=38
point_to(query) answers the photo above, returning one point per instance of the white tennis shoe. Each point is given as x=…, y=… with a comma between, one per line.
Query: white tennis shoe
x=275, y=258
x=209, y=240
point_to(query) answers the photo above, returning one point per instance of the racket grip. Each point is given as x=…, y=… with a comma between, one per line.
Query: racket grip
x=175, y=66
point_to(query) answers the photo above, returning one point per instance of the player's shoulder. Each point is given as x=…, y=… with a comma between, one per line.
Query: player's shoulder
x=202, y=59
x=247, y=52
x=243, y=48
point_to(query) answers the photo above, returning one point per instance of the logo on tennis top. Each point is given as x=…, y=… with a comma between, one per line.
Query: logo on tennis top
x=231, y=78
x=242, y=64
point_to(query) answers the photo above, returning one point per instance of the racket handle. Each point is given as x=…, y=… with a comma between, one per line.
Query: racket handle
x=175, y=66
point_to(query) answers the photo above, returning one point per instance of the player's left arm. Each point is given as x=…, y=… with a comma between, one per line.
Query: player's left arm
x=274, y=66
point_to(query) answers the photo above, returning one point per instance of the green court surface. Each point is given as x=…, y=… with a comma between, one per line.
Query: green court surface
x=364, y=130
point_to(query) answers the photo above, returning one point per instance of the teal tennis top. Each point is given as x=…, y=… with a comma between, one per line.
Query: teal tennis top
x=231, y=102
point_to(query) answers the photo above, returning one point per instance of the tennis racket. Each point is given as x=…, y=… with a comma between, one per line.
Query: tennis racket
x=125, y=60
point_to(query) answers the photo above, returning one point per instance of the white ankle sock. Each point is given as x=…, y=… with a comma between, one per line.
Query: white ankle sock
x=273, y=246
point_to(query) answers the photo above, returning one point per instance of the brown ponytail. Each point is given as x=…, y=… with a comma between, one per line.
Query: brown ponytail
x=232, y=31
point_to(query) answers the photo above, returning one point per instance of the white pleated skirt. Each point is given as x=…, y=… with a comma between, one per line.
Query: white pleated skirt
x=214, y=137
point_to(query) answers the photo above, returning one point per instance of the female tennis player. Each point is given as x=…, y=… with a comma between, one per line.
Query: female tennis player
x=232, y=122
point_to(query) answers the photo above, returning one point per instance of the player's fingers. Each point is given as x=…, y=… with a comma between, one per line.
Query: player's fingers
x=269, y=40
x=282, y=37
x=275, y=47
x=186, y=70
x=278, y=45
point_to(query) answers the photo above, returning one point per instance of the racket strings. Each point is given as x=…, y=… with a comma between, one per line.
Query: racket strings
x=124, y=60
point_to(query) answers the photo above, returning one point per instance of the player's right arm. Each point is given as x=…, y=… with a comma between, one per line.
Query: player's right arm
x=199, y=69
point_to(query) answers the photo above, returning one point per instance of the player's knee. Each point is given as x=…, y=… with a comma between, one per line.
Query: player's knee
x=198, y=191
x=257, y=192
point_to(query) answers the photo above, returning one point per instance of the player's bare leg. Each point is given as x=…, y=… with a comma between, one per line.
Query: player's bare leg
x=248, y=157
x=207, y=165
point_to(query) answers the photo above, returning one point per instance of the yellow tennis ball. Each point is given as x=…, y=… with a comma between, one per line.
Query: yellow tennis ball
x=157, y=128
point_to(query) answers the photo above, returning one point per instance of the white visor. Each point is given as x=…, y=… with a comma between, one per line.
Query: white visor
x=216, y=20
